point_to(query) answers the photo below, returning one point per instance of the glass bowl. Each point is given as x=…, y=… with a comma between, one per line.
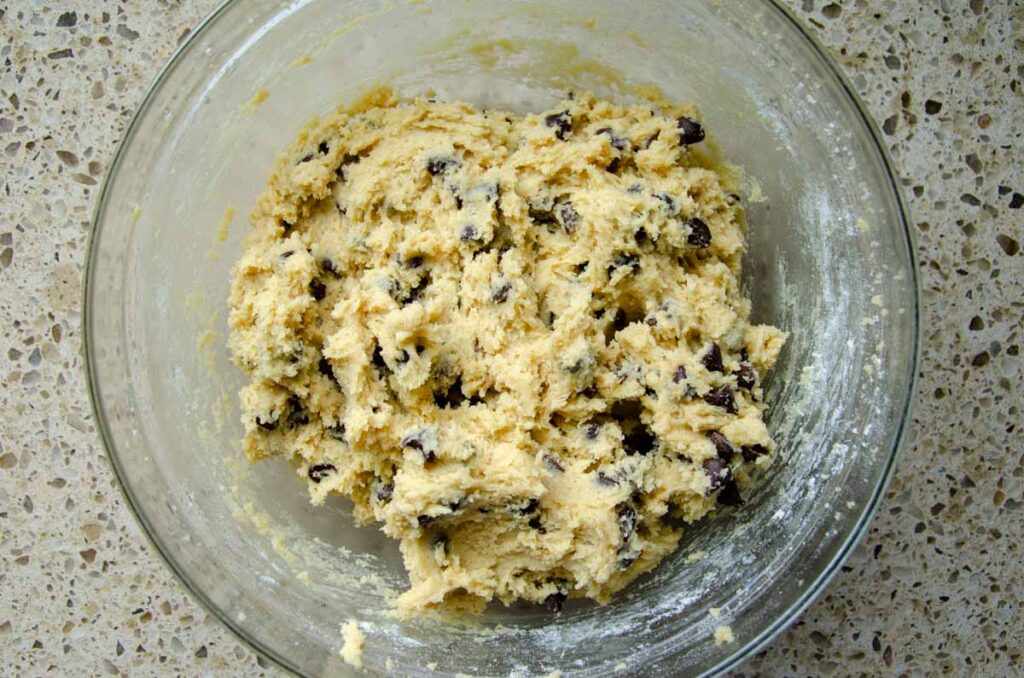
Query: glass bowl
x=830, y=260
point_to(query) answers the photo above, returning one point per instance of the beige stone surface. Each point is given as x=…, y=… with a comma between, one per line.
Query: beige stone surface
x=936, y=584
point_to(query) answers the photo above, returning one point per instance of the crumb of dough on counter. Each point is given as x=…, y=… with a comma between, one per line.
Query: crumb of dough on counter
x=723, y=635
x=352, y=650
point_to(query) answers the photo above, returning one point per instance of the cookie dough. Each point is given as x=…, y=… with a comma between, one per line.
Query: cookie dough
x=517, y=342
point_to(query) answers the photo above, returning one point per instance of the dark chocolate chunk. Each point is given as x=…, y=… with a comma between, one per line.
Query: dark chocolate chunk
x=679, y=375
x=438, y=166
x=553, y=464
x=384, y=492
x=730, y=494
x=323, y=148
x=536, y=524
x=712, y=360
x=746, y=376
x=451, y=397
x=591, y=430
x=297, y=413
x=306, y=158
x=639, y=441
x=555, y=601
x=652, y=321
x=402, y=357
x=414, y=262
x=561, y=122
x=614, y=166
x=530, y=507
x=337, y=432
x=700, y=234
x=690, y=131
x=317, y=289
x=581, y=267
x=377, y=360
x=640, y=236
x=416, y=292
x=328, y=265
x=266, y=425
x=624, y=260
x=567, y=216
x=423, y=519
x=318, y=472
x=499, y=295
x=324, y=366
x=722, y=446
x=752, y=452
x=416, y=441
x=627, y=522
x=722, y=397
x=718, y=473
x=620, y=321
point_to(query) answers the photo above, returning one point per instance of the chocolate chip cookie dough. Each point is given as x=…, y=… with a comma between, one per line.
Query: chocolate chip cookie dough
x=517, y=342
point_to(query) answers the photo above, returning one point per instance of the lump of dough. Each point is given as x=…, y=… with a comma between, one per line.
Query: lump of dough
x=517, y=342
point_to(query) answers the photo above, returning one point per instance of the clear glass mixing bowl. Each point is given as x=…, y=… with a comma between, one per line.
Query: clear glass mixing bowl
x=830, y=260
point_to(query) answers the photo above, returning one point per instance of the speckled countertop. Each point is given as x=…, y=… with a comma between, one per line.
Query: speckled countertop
x=935, y=587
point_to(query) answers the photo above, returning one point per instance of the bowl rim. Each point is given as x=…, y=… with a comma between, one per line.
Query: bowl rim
x=811, y=591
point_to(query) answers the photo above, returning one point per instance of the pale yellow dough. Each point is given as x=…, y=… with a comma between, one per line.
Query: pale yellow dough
x=497, y=335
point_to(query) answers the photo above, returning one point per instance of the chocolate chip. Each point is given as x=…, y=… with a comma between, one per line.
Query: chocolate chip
x=469, y=232
x=606, y=480
x=553, y=464
x=417, y=441
x=297, y=414
x=324, y=366
x=598, y=313
x=424, y=519
x=420, y=349
x=752, y=452
x=625, y=562
x=499, y=295
x=306, y=158
x=730, y=494
x=530, y=507
x=700, y=234
x=626, y=517
x=318, y=472
x=614, y=166
x=328, y=265
x=438, y=166
x=712, y=360
x=402, y=357
x=416, y=292
x=623, y=260
x=266, y=425
x=555, y=601
x=562, y=122
x=639, y=441
x=567, y=216
x=591, y=430
x=337, y=432
x=690, y=131
x=620, y=321
x=536, y=524
x=652, y=321
x=286, y=254
x=746, y=376
x=722, y=446
x=317, y=289
x=384, y=492
x=451, y=397
x=718, y=473
x=377, y=360
x=722, y=397
x=323, y=148
x=414, y=262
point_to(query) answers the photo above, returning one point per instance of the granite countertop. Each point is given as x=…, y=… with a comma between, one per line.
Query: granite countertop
x=935, y=586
